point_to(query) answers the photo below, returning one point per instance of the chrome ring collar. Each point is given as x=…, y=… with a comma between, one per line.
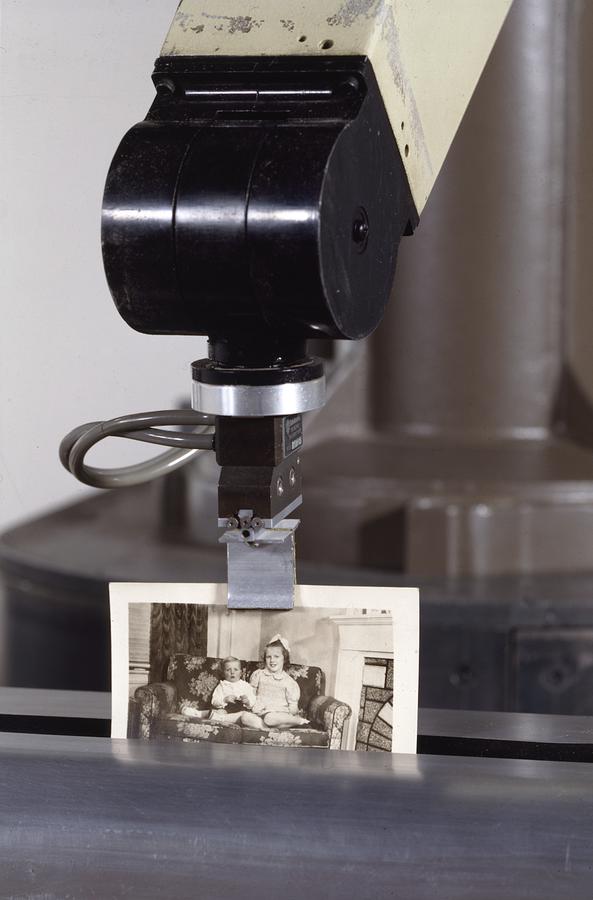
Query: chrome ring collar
x=258, y=400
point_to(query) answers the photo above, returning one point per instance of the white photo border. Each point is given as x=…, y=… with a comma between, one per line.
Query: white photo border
x=402, y=603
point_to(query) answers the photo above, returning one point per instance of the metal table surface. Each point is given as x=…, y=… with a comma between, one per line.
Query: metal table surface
x=88, y=817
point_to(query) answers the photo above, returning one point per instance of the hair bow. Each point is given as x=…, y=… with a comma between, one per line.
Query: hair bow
x=281, y=640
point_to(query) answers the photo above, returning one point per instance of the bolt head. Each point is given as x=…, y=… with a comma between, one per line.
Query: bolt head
x=165, y=86
x=280, y=487
x=292, y=477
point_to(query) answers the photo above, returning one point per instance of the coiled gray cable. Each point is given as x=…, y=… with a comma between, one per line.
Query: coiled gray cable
x=137, y=427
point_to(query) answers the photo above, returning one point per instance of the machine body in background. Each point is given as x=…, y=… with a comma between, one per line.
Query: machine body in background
x=469, y=453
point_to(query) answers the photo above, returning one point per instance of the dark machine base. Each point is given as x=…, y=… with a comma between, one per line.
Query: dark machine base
x=506, y=643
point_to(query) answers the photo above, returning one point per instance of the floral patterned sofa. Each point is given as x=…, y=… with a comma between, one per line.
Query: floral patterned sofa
x=191, y=681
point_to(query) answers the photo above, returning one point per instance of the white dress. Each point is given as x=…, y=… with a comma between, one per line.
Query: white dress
x=225, y=689
x=275, y=691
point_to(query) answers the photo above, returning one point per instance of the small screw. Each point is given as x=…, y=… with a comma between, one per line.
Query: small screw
x=360, y=230
x=292, y=477
x=351, y=85
x=298, y=460
x=280, y=487
x=232, y=523
x=256, y=522
x=165, y=86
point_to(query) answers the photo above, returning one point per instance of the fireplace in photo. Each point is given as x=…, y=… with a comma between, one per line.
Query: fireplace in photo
x=375, y=716
x=365, y=677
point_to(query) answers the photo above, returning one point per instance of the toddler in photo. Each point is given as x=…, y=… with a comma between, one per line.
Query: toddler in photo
x=232, y=695
x=276, y=693
x=230, y=698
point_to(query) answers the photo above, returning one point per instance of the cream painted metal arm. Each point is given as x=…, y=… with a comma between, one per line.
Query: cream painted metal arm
x=427, y=55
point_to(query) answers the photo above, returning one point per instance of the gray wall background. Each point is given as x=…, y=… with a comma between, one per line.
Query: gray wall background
x=74, y=76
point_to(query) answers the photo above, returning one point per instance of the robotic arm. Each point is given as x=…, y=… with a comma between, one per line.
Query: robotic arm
x=261, y=203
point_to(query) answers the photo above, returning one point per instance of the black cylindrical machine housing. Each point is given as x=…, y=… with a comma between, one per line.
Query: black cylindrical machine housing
x=261, y=202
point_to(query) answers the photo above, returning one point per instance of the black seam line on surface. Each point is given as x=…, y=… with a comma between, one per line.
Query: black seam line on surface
x=58, y=725
x=505, y=749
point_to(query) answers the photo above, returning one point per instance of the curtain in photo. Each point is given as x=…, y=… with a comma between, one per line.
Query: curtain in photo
x=176, y=628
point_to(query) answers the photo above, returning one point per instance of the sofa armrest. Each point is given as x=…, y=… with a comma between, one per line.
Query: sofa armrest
x=330, y=714
x=154, y=700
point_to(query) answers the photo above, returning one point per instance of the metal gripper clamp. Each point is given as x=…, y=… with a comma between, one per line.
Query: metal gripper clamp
x=259, y=437
x=260, y=563
x=260, y=485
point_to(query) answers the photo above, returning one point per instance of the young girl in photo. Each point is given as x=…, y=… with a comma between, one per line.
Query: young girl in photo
x=276, y=693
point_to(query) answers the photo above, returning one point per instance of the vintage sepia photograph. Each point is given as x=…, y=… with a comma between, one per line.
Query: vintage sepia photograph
x=339, y=671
